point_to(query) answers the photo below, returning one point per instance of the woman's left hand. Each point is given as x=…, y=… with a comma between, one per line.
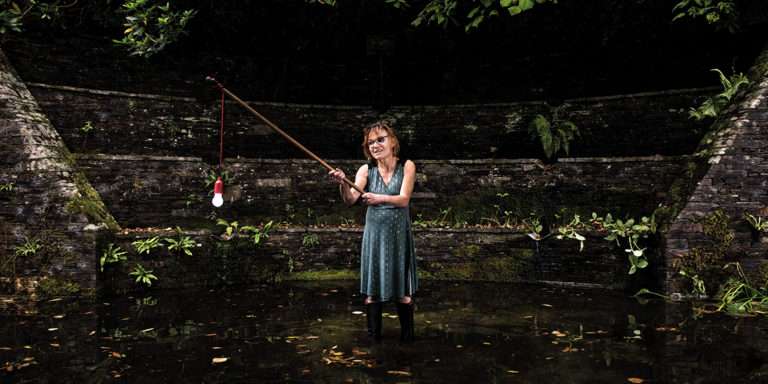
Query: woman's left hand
x=373, y=199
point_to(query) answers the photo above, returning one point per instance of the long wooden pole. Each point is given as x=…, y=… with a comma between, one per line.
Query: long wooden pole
x=281, y=132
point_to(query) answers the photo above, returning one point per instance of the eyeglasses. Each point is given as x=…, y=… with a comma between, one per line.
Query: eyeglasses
x=378, y=140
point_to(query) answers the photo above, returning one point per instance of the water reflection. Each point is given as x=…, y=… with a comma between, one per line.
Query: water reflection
x=314, y=333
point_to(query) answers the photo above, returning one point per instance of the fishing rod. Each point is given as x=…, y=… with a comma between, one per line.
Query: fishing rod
x=281, y=132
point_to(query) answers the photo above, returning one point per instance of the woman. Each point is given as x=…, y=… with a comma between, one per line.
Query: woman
x=388, y=259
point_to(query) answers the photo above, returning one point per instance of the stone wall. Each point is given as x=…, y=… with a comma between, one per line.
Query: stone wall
x=93, y=121
x=733, y=181
x=445, y=254
x=161, y=191
x=44, y=199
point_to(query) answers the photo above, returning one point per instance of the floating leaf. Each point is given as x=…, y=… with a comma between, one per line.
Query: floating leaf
x=635, y=380
x=219, y=360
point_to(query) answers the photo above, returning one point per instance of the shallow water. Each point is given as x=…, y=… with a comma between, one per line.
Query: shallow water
x=313, y=333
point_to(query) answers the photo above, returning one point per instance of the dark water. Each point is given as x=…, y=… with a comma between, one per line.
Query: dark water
x=310, y=333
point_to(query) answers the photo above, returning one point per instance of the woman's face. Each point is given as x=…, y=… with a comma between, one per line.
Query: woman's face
x=380, y=144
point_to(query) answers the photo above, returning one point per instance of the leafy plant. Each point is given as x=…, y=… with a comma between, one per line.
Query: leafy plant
x=504, y=218
x=758, y=223
x=570, y=231
x=441, y=12
x=113, y=254
x=150, y=27
x=143, y=276
x=534, y=227
x=87, y=127
x=716, y=104
x=555, y=134
x=739, y=297
x=6, y=187
x=29, y=248
x=719, y=12
x=181, y=244
x=147, y=245
x=310, y=240
x=631, y=232
x=258, y=234
x=698, y=287
x=231, y=229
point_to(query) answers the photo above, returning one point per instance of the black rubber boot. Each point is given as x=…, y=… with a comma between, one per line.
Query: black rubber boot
x=405, y=314
x=373, y=314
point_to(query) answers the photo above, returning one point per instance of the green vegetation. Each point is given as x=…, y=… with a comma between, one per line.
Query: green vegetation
x=555, y=133
x=310, y=240
x=758, y=223
x=721, y=13
x=257, y=234
x=142, y=276
x=6, y=187
x=181, y=244
x=713, y=106
x=147, y=245
x=87, y=201
x=112, y=255
x=150, y=26
x=29, y=248
x=51, y=287
x=739, y=296
x=86, y=127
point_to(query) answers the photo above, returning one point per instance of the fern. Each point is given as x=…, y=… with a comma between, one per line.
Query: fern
x=716, y=104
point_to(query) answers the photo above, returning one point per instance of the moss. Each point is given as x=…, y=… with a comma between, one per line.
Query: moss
x=88, y=202
x=54, y=287
x=716, y=225
x=469, y=250
x=329, y=274
x=502, y=268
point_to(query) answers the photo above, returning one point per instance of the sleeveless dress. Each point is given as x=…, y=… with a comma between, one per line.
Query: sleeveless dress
x=388, y=257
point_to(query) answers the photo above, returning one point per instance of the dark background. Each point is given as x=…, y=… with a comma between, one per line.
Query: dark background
x=365, y=53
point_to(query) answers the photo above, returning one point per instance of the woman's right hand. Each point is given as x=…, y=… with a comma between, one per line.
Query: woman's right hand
x=337, y=175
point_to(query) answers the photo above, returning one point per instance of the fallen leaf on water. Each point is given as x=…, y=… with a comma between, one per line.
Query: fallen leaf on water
x=210, y=334
x=635, y=380
x=558, y=333
x=486, y=343
x=58, y=316
x=147, y=330
x=312, y=337
x=547, y=305
x=117, y=355
x=215, y=347
x=357, y=312
x=27, y=359
x=399, y=373
x=92, y=333
x=52, y=329
x=219, y=360
x=5, y=349
x=55, y=345
x=512, y=371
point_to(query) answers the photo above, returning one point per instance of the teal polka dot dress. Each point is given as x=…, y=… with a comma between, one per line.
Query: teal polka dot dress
x=388, y=256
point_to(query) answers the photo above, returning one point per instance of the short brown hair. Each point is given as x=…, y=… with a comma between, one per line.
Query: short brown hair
x=379, y=125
